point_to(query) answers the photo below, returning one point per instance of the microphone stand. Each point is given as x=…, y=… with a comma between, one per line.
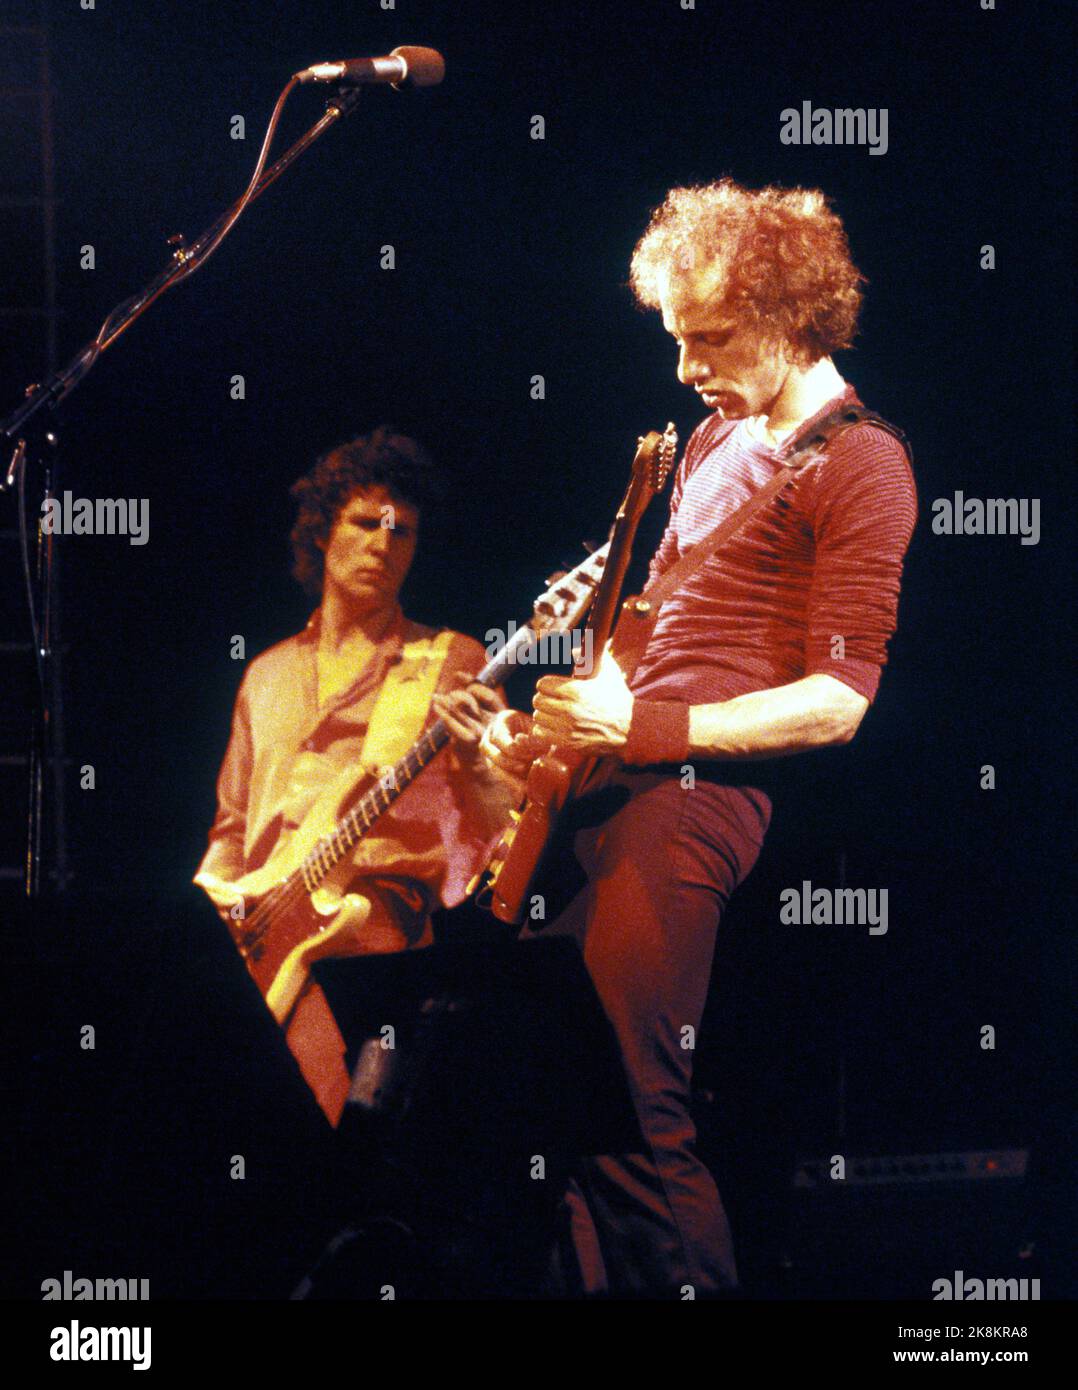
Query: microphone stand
x=38, y=574
x=185, y=260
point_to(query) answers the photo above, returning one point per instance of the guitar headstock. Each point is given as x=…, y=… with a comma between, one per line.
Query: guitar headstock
x=564, y=604
x=655, y=457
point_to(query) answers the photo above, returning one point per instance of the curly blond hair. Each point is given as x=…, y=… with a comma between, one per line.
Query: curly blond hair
x=781, y=253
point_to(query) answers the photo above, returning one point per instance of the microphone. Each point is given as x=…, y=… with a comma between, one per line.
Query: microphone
x=405, y=66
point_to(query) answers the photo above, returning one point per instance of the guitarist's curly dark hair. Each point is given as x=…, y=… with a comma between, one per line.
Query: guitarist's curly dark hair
x=401, y=465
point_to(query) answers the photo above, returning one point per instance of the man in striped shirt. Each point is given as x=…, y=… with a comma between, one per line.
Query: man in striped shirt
x=774, y=646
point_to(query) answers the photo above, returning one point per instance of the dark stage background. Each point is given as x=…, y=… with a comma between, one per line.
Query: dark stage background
x=511, y=260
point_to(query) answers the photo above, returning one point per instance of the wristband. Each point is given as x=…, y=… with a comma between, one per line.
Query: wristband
x=658, y=733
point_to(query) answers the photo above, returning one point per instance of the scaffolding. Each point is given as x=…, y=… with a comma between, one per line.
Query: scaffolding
x=33, y=844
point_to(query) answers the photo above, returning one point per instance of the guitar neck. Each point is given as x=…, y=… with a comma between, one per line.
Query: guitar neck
x=642, y=488
x=360, y=820
x=604, y=610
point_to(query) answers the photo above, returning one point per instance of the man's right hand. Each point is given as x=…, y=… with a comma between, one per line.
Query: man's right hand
x=508, y=745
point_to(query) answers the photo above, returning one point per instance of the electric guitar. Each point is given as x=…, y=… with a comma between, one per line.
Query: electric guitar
x=295, y=908
x=555, y=776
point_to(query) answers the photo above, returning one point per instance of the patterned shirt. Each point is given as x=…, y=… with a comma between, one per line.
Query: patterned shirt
x=809, y=586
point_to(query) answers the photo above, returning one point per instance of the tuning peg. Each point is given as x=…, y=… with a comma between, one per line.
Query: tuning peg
x=589, y=546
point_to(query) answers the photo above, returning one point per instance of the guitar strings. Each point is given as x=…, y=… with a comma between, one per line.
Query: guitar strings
x=283, y=897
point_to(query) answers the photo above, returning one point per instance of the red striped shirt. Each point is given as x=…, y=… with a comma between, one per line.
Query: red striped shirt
x=810, y=585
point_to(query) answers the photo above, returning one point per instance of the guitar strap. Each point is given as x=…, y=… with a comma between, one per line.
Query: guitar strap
x=804, y=449
x=400, y=709
x=397, y=719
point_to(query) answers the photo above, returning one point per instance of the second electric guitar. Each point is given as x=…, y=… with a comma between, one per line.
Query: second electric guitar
x=296, y=908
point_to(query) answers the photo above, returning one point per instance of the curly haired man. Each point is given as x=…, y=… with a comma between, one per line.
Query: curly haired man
x=308, y=711
x=773, y=647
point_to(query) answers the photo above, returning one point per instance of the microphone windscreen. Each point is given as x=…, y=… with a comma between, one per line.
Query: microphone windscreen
x=426, y=66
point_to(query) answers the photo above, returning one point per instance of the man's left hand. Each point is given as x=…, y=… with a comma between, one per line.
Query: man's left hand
x=591, y=715
x=466, y=713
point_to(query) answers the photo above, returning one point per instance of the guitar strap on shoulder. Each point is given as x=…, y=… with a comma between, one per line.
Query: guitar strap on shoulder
x=806, y=448
x=400, y=709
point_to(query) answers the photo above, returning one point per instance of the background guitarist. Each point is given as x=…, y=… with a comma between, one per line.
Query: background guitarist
x=307, y=713
x=772, y=647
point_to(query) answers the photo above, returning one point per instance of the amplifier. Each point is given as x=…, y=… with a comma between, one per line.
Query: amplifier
x=974, y=1166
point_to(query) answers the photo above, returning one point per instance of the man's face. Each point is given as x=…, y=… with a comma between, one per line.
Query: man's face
x=732, y=370
x=370, y=549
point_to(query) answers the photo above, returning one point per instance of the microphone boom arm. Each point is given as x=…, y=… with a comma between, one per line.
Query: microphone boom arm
x=185, y=261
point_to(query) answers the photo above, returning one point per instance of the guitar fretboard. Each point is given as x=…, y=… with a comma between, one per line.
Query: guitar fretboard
x=351, y=828
x=556, y=610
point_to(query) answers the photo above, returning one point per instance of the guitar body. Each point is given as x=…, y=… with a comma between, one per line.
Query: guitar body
x=518, y=860
x=302, y=928
x=280, y=972
x=279, y=926
x=320, y=823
